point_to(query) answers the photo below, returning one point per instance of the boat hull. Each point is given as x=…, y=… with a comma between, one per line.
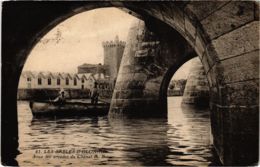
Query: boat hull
x=67, y=109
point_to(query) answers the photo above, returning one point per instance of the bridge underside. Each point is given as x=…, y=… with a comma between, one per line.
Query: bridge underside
x=149, y=61
x=223, y=35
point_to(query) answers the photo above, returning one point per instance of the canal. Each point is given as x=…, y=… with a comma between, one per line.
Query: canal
x=183, y=139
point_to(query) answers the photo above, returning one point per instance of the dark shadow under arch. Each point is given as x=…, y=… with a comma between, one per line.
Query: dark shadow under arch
x=168, y=76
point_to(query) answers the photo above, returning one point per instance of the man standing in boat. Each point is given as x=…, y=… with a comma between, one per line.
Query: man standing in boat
x=61, y=98
x=94, y=94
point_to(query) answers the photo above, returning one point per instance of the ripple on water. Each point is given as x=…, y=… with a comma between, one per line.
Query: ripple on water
x=182, y=139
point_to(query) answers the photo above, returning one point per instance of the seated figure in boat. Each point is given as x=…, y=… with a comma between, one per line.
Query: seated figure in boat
x=61, y=98
x=94, y=94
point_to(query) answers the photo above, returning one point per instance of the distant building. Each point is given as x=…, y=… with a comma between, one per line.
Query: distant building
x=176, y=87
x=49, y=80
x=46, y=85
x=91, y=68
x=87, y=80
x=88, y=75
x=113, y=52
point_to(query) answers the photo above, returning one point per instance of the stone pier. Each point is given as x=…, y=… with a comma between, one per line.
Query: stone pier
x=143, y=73
x=138, y=82
x=197, y=89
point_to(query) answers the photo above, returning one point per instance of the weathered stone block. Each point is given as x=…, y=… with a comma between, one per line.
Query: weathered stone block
x=124, y=76
x=257, y=8
x=190, y=28
x=135, y=84
x=140, y=76
x=128, y=94
x=215, y=73
x=205, y=63
x=143, y=60
x=117, y=102
x=178, y=16
x=228, y=18
x=121, y=85
x=239, y=41
x=172, y=15
x=153, y=84
x=234, y=131
x=243, y=120
x=127, y=69
x=150, y=44
x=203, y=9
x=137, y=108
x=209, y=80
x=241, y=94
x=217, y=129
x=212, y=56
x=151, y=94
x=199, y=45
x=241, y=68
x=242, y=149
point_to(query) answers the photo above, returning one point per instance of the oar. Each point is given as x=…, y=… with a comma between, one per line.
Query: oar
x=47, y=95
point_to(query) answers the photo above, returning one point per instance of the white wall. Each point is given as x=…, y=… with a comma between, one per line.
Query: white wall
x=23, y=83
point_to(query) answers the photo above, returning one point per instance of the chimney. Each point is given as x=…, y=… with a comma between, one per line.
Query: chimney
x=116, y=39
x=99, y=71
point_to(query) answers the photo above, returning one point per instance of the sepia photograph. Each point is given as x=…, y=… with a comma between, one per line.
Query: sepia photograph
x=130, y=83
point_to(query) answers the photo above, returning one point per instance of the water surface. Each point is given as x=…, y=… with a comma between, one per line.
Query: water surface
x=182, y=139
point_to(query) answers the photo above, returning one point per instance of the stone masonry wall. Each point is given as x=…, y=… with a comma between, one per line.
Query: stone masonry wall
x=223, y=34
x=146, y=60
x=196, y=90
x=113, y=52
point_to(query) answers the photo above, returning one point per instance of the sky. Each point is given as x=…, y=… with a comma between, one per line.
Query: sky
x=78, y=40
x=183, y=71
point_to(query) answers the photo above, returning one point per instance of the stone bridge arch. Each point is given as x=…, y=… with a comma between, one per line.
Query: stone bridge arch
x=223, y=34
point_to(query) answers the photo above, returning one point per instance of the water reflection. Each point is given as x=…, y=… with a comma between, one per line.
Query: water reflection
x=182, y=139
x=143, y=142
x=190, y=135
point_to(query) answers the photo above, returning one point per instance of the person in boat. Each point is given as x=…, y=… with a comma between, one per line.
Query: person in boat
x=94, y=94
x=61, y=98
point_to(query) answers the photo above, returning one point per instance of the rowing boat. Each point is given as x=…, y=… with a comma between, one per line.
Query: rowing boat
x=68, y=108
